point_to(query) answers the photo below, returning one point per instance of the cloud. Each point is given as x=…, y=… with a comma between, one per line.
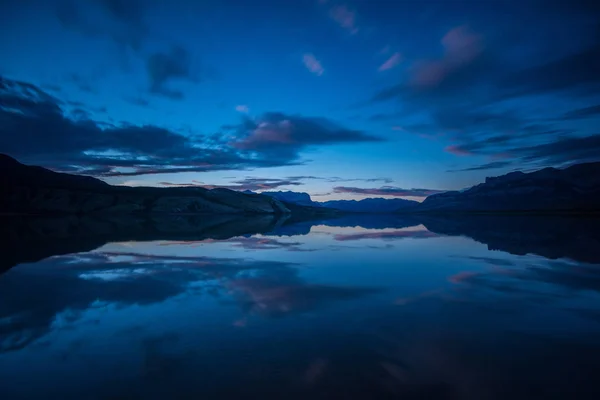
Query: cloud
x=573, y=72
x=267, y=184
x=119, y=20
x=81, y=83
x=279, y=135
x=568, y=150
x=264, y=243
x=482, y=97
x=387, y=191
x=123, y=22
x=252, y=184
x=164, y=67
x=36, y=130
x=422, y=234
x=457, y=150
x=490, y=165
x=394, y=60
x=345, y=18
x=242, y=108
x=52, y=87
x=385, y=116
x=339, y=179
x=581, y=113
x=137, y=101
x=312, y=64
x=461, y=47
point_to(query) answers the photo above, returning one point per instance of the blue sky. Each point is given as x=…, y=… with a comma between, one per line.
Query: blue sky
x=340, y=99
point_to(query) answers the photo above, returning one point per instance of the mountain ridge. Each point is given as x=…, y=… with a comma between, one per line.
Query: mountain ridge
x=32, y=189
x=576, y=187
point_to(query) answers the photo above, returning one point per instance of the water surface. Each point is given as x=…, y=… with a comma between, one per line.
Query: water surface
x=348, y=308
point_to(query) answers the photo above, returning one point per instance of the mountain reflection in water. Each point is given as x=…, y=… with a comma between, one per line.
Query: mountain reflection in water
x=471, y=307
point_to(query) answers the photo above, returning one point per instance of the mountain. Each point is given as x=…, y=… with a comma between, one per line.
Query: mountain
x=36, y=190
x=372, y=205
x=576, y=188
x=300, y=198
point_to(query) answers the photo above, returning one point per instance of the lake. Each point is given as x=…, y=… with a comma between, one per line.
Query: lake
x=356, y=307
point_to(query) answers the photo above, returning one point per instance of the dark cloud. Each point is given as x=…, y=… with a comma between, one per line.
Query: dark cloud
x=567, y=150
x=123, y=22
x=120, y=20
x=252, y=184
x=54, y=88
x=573, y=72
x=81, y=83
x=137, y=101
x=36, y=130
x=261, y=184
x=408, y=234
x=580, y=113
x=168, y=66
x=387, y=191
x=338, y=179
x=264, y=243
x=279, y=135
x=483, y=167
x=486, y=94
x=385, y=117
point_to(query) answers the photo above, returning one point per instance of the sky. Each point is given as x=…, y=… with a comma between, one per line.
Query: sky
x=340, y=99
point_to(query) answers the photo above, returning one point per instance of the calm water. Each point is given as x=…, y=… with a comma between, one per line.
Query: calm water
x=472, y=308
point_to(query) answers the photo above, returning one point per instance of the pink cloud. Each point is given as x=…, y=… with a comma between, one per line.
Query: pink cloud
x=457, y=151
x=312, y=64
x=242, y=108
x=391, y=62
x=345, y=18
x=267, y=133
x=461, y=47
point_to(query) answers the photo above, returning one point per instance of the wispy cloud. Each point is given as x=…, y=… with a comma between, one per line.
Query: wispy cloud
x=581, y=113
x=345, y=18
x=242, y=108
x=408, y=234
x=457, y=150
x=387, y=191
x=483, y=167
x=394, y=60
x=312, y=64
